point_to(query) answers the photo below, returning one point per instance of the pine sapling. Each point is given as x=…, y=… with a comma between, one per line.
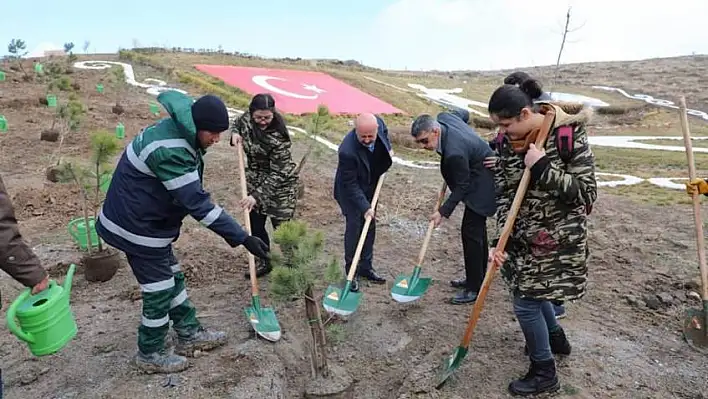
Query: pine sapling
x=294, y=276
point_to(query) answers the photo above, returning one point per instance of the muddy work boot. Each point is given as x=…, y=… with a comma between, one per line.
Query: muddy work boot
x=263, y=267
x=160, y=362
x=201, y=339
x=541, y=378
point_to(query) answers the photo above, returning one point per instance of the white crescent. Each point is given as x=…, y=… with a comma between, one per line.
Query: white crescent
x=262, y=80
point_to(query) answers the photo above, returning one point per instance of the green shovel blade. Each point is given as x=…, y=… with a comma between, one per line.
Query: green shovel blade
x=263, y=320
x=409, y=287
x=451, y=364
x=341, y=301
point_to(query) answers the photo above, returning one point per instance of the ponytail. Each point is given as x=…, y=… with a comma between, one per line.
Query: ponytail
x=508, y=100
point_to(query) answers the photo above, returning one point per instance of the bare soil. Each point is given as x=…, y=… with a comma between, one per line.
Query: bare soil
x=625, y=333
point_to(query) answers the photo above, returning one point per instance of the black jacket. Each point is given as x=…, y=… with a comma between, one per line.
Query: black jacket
x=358, y=170
x=463, y=152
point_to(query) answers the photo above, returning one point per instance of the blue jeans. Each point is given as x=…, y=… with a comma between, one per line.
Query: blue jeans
x=536, y=318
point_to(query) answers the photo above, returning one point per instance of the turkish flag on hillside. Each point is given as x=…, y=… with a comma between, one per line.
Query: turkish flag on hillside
x=298, y=92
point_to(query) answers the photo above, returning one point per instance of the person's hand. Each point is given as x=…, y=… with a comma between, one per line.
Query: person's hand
x=490, y=162
x=498, y=258
x=698, y=185
x=41, y=286
x=256, y=246
x=436, y=218
x=248, y=203
x=236, y=139
x=369, y=214
x=533, y=155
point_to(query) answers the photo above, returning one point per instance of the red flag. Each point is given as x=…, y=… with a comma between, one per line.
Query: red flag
x=298, y=92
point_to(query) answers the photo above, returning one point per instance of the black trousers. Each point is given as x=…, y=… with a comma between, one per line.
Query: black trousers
x=258, y=225
x=353, y=227
x=475, y=248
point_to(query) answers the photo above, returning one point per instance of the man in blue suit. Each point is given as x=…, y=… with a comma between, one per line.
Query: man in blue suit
x=363, y=156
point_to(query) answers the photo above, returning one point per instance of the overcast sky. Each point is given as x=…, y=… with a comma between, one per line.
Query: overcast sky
x=398, y=34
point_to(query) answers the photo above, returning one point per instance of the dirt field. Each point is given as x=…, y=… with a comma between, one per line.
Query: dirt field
x=626, y=333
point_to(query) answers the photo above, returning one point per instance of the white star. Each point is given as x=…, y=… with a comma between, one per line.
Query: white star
x=313, y=88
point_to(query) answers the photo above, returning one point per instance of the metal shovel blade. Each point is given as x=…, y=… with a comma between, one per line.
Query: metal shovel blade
x=694, y=328
x=341, y=301
x=451, y=364
x=409, y=287
x=263, y=320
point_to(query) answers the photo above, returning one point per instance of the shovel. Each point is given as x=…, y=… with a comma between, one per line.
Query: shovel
x=410, y=287
x=263, y=320
x=343, y=301
x=453, y=362
x=695, y=327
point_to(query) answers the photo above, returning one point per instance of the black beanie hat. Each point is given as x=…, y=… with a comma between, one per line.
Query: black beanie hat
x=209, y=113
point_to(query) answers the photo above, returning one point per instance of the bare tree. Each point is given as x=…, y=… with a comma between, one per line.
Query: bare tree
x=566, y=30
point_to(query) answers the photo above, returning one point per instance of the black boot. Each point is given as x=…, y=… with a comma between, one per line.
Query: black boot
x=541, y=378
x=559, y=343
x=263, y=267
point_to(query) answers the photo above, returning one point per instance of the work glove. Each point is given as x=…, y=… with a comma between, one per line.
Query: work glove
x=256, y=246
x=697, y=184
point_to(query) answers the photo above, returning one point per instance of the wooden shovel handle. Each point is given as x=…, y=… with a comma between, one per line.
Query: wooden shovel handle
x=364, y=231
x=696, y=199
x=431, y=225
x=506, y=232
x=247, y=219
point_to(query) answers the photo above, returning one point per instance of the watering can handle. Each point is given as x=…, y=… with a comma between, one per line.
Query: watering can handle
x=12, y=311
x=71, y=227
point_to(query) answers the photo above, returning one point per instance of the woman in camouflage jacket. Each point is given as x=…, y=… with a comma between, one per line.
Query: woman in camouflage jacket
x=545, y=257
x=270, y=170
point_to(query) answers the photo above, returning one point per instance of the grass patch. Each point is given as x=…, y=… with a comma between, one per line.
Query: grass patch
x=650, y=193
x=647, y=163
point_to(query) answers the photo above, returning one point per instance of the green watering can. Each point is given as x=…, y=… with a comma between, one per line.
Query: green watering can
x=77, y=231
x=46, y=322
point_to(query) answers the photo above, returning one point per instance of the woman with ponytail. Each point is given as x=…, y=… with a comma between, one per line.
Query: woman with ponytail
x=545, y=258
x=270, y=170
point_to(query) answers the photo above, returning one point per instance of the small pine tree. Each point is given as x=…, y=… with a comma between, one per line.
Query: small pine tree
x=294, y=276
x=319, y=121
x=18, y=49
x=90, y=178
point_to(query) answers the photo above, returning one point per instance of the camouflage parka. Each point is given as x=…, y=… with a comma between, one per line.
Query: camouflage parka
x=270, y=175
x=548, y=246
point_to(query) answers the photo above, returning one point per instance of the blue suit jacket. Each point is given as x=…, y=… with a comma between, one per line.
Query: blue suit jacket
x=356, y=177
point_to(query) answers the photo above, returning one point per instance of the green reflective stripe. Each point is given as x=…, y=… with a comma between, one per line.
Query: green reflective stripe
x=151, y=242
x=212, y=216
x=158, y=286
x=181, y=181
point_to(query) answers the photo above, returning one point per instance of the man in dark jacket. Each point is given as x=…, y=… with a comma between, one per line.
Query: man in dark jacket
x=16, y=258
x=462, y=154
x=364, y=155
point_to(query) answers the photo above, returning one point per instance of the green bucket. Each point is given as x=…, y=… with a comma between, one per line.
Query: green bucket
x=105, y=183
x=2, y=76
x=3, y=124
x=44, y=320
x=99, y=88
x=77, y=230
x=38, y=68
x=120, y=131
x=51, y=100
